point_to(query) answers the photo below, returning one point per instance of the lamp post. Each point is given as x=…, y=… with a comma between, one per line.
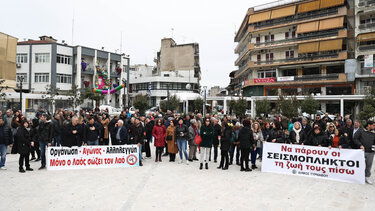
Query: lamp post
x=127, y=57
x=205, y=100
x=20, y=79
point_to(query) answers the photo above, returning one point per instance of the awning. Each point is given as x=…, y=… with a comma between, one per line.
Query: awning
x=366, y=37
x=283, y=12
x=308, y=27
x=260, y=17
x=330, y=3
x=330, y=45
x=307, y=7
x=332, y=23
x=308, y=47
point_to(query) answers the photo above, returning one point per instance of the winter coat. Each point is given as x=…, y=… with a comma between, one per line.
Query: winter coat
x=274, y=134
x=136, y=134
x=191, y=141
x=105, y=124
x=149, y=127
x=260, y=138
x=172, y=144
x=207, y=134
x=92, y=135
x=159, y=133
x=124, y=136
x=318, y=139
x=23, y=140
x=293, y=135
x=45, y=132
x=225, y=138
x=182, y=132
x=217, y=133
x=245, y=137
x=7, y=135
x=364, y=138
x=343, y=142
x=111, y=127
x=71, y=139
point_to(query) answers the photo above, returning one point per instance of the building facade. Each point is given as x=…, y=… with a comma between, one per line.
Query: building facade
x=51, y=67
x=8, y=46
x=299, y=47
x=177, y=72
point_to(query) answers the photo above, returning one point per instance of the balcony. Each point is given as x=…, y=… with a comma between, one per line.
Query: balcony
x=366, y=47
x=325, y=56
x=298, y=17
x=366, y=26
x=365, y=72
x=88, y=71
x=243, y=52
x=365, y=3
x=300, y=80
x=115, y=75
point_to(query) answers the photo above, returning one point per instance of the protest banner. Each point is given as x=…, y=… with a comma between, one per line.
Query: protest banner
x=346, y=165
x=87, y=157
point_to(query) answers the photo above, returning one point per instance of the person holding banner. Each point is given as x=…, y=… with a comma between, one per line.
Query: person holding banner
x=365, y=138
x=318, y=138
x=137, y=136
x=258, y=138
x=339, y=140
x=245, y=137
x=296, y=134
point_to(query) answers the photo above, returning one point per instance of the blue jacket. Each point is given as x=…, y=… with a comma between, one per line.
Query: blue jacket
x=124, y=137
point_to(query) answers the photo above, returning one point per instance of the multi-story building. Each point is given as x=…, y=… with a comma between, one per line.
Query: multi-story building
x=8, y=46
x=177, y=72
x=297, y=47
x=48, y=66
x=365, y=44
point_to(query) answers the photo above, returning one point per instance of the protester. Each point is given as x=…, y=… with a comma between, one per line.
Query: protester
x=24, y=143
x=148, y=127
x=137, y=135
x=318, y=138
x=182, y=134
x=5, y=141
x=339, y=140
x=121, y=136
x=216, y=138
x=234, y=148
x=258, y=139
x=227, y=132
x=171, y=141
x=44, y=136
x=105, y=122
x=73, y=134
x=296, y=134
x=159, y=133
x=92, y=132
x=365, y=138
x=193, y=133
x=207, y=133
x=246, y=140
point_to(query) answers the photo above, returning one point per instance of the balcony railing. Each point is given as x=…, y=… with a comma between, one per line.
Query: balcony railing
x=365, y=3
x=302, y=38
x=366, y=71
x=317, y=14
x=242, y=67
x=115, y=75
x=366, y=26
x=317, y=77
x=366, y=47
x=299, y=58
x=88, y=71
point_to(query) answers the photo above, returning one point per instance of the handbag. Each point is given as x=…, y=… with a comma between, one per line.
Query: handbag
x=169, y=138
x=198, y=140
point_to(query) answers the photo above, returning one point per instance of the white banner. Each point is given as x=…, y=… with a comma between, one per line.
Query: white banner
x=346, y=165
x=285, y=78
x=369, y=60
x=86, y=157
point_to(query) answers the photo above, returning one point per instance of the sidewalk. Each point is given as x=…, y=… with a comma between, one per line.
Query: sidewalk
x=173, y=186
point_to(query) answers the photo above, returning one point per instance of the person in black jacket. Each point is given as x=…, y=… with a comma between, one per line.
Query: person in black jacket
x=318, y=138
x=35, y=149
x=111, y=129
x=216, y=138
x=245, y=137
x=73, y=133
x=227, y=132
x=44, y=136
x=24, y=142
x=121, y=134
x=149, y=126
x=57, y=130
x=5, y=140
x=137, y=136
x=182, y=135
x=92, y=132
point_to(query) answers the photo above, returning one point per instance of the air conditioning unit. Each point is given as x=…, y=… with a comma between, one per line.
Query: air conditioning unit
x=18, y=65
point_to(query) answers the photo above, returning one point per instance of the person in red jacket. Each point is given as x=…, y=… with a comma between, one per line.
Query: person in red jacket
x=159, y=133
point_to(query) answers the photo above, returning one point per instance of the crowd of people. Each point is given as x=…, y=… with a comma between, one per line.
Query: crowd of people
x=240, y=141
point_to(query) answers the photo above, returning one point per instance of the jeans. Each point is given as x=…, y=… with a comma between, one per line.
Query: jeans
x=215, y=152
x=3, y=153
x=181, y=144
x=231, y=153
x=42, y=146
x=57, y=141
x=254, y=155
x=140, y=152
x=369, y=158
x=93, y=143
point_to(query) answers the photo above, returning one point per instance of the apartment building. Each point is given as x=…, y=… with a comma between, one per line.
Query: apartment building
x=8, y=46
x=365, y=45
x=49, y=66
x=297, y=47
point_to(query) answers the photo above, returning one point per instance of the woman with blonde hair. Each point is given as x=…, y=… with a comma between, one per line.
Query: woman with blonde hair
x=258, y=139
x=330, y=129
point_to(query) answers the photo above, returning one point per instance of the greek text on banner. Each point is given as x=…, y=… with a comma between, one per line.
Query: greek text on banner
x=85, y=157
x=346, y=165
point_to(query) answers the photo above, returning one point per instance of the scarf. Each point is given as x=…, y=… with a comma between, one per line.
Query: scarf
x=195, y=130
x=297, y=133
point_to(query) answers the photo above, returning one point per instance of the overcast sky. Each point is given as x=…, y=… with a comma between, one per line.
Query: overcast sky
x=143, y=24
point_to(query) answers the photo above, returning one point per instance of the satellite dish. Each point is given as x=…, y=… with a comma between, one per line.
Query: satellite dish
x=188, y=86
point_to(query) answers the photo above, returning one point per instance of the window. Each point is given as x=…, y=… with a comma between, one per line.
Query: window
x=293, y=34
x=41, y=78
x=266, y=38
x=63, y=59
x=289, y=54
x=64, y=78
x=41, y=57
x=267, y=74
x=258, y=39
x=259, y=58
x=272, y=37
x=286, y=35
x=19, y=75
x=21, y=58
x=269, y=57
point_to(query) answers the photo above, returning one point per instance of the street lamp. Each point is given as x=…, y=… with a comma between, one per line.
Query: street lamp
x=127, y=57
x=20, y=79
